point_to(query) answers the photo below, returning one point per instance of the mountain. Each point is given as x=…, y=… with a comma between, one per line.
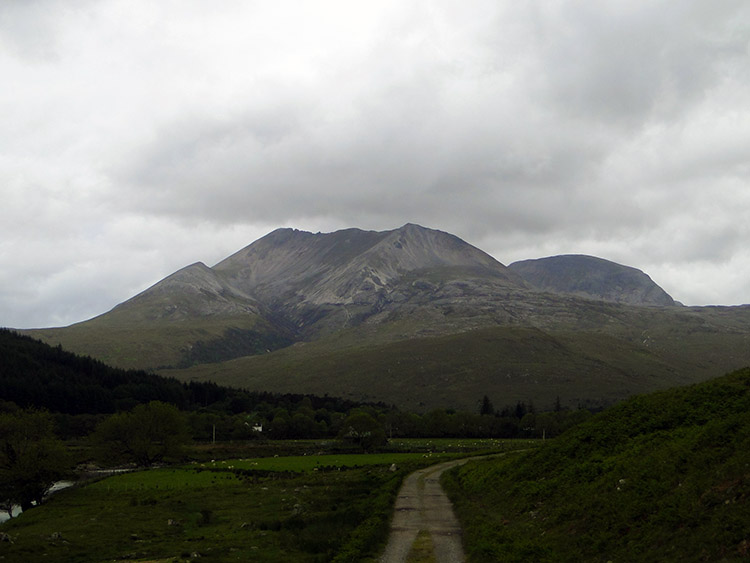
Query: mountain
x=588, y=276
x=312, y=283
x=412, y=316
x=292, y=286
x=306, y=282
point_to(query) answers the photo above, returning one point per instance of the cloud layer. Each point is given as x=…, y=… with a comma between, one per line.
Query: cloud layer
x=139, y=137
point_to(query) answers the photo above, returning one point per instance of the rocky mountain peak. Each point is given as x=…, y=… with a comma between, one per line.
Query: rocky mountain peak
x=329, y=267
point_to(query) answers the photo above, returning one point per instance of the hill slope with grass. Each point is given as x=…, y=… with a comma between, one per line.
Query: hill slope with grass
x=660, y=477
x=604, y=353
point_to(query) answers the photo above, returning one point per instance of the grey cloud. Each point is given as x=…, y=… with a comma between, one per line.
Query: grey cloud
x=638, y=61
x=618, y=129
x=27, y=27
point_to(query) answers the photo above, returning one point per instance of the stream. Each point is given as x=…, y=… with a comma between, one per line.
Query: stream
x=58, y=486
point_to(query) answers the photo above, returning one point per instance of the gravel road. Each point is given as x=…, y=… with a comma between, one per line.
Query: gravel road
x=422, y=505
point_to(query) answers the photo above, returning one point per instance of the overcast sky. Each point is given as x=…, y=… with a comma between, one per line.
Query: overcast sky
x=138, y=137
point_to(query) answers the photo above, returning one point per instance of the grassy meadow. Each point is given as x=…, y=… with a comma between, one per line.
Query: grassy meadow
x=316, y=507
x=242, y=510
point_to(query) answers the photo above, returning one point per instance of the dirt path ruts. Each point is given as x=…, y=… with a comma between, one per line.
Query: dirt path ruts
x=422, y=505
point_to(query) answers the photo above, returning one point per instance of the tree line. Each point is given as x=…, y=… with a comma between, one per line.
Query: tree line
x=80, y=390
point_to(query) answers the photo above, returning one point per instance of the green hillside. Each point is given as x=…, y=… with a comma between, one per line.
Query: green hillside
x=123, y=342
x=661, y=477
x=508, y=363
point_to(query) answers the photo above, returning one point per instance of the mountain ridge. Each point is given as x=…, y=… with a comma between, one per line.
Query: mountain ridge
x=331, y=311
x=199, y=292
x=307, y=282
x=381, y=257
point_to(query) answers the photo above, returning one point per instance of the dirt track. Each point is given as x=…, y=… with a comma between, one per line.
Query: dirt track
x=422, y=506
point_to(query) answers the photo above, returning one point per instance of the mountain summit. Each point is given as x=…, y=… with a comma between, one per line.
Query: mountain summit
x=588, y=276
x=340, y=267
x=296, y=273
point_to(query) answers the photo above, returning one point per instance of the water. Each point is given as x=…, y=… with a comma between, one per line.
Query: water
x=4, y=515
x=17, y=509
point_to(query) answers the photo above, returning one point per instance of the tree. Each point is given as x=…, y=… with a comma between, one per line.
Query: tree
x=363, y=430
x=146, y=435
x=280, y=424
x=31, y=458
x=303, y=426
x=438, y=423
x=486, y=408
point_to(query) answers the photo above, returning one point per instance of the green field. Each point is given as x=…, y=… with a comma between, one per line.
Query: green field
x=299, y=508
x=317, y=462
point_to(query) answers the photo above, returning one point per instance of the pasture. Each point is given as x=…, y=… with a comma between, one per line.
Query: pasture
x=298, y=508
